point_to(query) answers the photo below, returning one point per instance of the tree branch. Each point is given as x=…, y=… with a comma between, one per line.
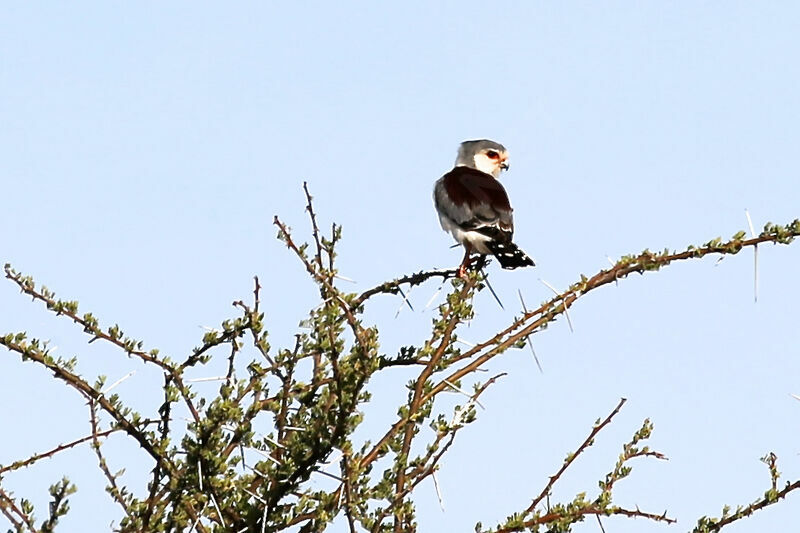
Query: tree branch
x=571, y=457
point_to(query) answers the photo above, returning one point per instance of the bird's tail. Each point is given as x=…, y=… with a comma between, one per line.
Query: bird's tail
x=509, y=255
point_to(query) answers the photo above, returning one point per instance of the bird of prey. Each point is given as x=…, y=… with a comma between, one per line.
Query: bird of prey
x=474, y=206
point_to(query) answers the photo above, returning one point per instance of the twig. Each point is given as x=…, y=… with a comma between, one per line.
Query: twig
x=586, y=511
x=416, y=400
x=90, y=325
x=768, y=500
x=113, y=489
x=348, y=498
x=391, y=287
x=314, y=227
x=646, y=261
x=548, y=311
x=60, y=448
x=9, y=508
x=35, y=354
x=571, y=457
x=324, y=283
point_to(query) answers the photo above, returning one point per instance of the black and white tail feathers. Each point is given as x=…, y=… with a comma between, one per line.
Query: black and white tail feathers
x=509, y=255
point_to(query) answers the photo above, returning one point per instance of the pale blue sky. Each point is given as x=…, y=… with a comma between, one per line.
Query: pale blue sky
x=145, y=148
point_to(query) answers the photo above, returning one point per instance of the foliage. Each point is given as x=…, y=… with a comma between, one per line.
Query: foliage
x=245, y=458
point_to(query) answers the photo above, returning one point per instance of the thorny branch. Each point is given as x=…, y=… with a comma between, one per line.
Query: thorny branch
x=310, y=418
x=113, y=489
x=579, y=508
x=580, y=513
x=60, y=448
x=90, y=325
x=393, y=286
x=646, y=261
x=429, y=463
x=15, y=515
x=571, y=457
x=771, y=497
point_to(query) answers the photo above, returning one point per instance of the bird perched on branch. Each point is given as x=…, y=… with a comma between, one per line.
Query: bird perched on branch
x=474, y=206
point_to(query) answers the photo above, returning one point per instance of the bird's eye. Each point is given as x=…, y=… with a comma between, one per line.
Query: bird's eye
x=491, y=154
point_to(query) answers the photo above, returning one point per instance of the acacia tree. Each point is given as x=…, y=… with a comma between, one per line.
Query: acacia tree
x=244, y=458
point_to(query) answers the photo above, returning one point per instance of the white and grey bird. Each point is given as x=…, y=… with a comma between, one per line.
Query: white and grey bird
x=474, y=207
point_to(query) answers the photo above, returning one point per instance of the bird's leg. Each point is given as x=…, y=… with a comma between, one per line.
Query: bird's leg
x=462, y=269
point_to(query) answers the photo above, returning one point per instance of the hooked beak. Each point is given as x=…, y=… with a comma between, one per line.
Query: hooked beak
x=504, y=165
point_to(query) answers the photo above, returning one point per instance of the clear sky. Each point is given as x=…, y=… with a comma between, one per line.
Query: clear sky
x=145, y=148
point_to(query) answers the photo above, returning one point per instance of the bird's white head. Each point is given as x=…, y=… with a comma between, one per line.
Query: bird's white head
x=485, y=155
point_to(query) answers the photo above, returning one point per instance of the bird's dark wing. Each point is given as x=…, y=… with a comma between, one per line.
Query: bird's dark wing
x=475, y=201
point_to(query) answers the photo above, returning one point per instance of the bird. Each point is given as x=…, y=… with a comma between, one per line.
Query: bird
x=474, y=207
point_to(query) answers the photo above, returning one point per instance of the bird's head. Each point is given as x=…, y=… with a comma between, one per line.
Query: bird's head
x=485, y=155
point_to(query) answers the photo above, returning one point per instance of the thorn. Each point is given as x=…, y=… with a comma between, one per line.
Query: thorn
x=613, y=264
x=219, y=514
x=435, y=294
x=332, y=476
x=528, y=337
x=404, y=302
x=199, y=516
x=438, y=492
x=755, y=257
x=257, y=471
x=268, y=456
x=750, y=223
x=491, y=289
x=464, y=393
x=566, y=312
x=256, y=496
x=120, y=380
x=273, y=441
x=601, y=523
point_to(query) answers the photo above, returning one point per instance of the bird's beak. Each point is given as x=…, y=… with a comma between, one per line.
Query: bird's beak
x=504, y=165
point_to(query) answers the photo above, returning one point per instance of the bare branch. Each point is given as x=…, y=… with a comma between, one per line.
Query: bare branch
x=393, y=287
x=571, y=457
x=50, y=453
